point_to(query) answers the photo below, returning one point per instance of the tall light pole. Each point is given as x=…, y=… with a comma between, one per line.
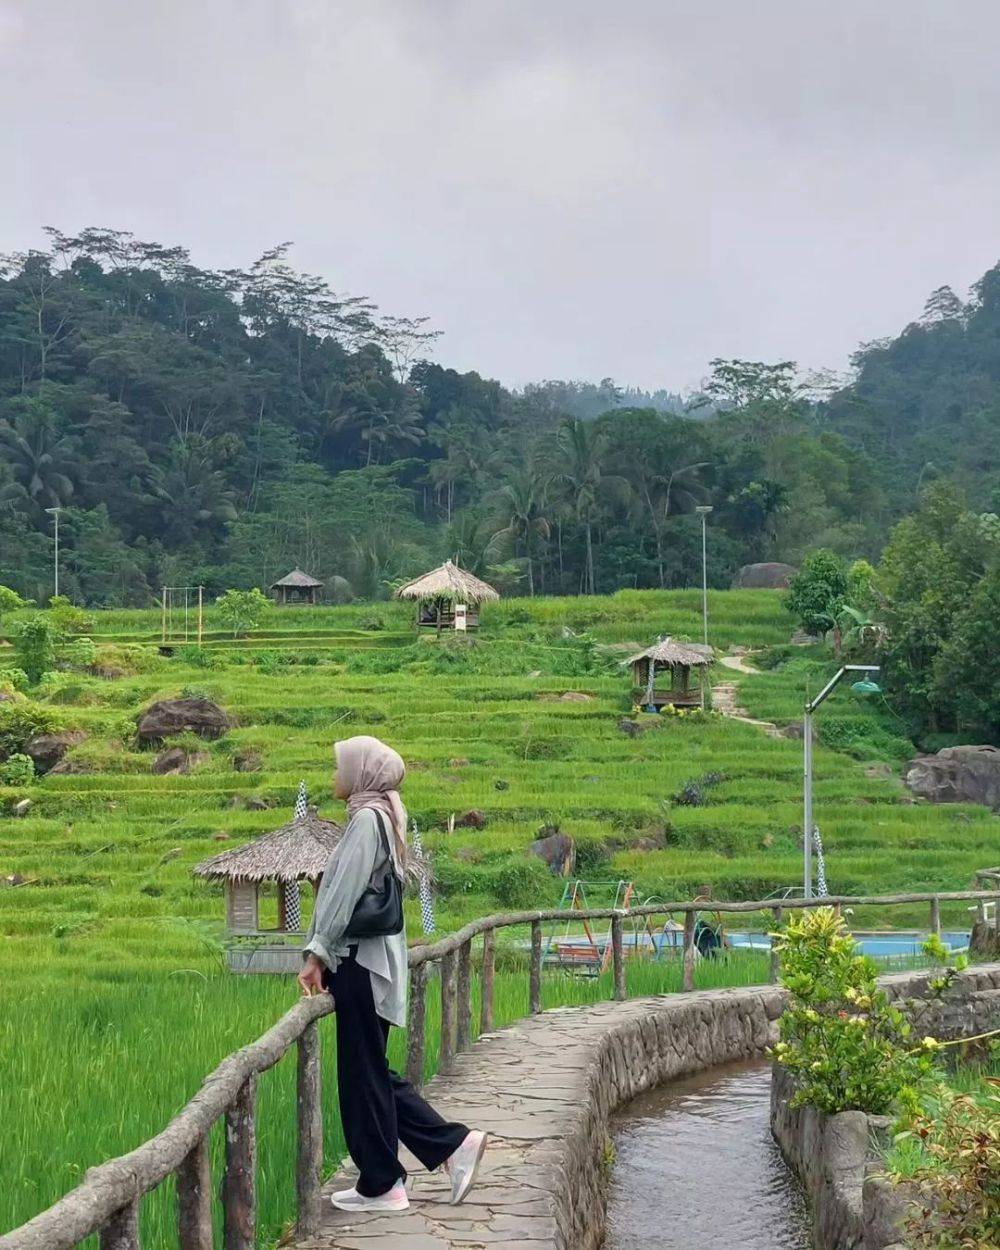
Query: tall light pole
x=807, y=761
x=703, y=510
x=54, y=513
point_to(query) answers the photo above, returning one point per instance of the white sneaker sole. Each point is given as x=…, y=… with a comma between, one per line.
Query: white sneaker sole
x=458, y=1196
x=371, y=1204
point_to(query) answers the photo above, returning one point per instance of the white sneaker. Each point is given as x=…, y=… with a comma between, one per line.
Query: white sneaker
x=464, y=1164
x=394, y=1199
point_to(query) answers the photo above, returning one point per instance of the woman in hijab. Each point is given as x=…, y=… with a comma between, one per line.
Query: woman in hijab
x=367, y=978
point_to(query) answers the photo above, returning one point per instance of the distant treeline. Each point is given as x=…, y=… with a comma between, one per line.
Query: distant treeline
x=219, y=427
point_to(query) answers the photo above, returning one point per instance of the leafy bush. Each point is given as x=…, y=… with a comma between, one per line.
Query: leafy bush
x=692, y=793
x=841, y=1039
x=243, y=610
x=78, y=652
x=34, y=641
x=21, y=721
x=68, y=618
x=12, y=679
x=959, y=1207
x=17, y=770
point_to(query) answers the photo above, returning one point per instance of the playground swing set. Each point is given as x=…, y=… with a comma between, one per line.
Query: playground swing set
x=575, y=946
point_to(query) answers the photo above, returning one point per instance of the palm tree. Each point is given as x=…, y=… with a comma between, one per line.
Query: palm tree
x=581, y=448
x=521, y=502
x=39, y=460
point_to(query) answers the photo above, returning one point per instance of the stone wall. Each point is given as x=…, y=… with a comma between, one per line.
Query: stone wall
x=837, y=1157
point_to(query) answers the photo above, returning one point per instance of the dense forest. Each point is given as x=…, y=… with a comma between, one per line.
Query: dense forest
x=198, y=426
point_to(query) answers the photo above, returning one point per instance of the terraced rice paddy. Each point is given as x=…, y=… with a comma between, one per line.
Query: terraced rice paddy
x=114, y=999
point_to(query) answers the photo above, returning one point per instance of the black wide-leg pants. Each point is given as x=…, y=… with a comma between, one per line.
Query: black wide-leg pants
x=378, y=1108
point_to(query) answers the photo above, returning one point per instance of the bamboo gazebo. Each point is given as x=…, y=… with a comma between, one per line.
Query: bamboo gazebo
x=296, y=587
x=448, y=598
x=296, y=852
x=650, y=669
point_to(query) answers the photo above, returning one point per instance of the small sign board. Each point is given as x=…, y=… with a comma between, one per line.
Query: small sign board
x=461, y=611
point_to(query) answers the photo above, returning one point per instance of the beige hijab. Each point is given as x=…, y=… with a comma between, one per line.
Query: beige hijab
x=370, y=774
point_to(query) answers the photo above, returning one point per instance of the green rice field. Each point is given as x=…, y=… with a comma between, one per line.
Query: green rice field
x=114, y=1002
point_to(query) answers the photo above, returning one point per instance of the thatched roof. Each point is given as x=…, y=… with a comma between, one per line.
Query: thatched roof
x=295, y=852
x=667, y=652
x=448, y=582
x=296, y=578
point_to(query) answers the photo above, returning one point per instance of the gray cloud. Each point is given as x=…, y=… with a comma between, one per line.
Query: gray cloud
x=567, y=188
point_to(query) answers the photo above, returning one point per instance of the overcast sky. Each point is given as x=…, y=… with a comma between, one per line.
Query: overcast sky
x=568, y=188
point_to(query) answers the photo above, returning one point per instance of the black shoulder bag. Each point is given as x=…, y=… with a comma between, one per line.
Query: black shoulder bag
x=379, y=911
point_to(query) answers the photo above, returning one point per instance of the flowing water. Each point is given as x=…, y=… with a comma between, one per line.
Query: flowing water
x=696, y=1167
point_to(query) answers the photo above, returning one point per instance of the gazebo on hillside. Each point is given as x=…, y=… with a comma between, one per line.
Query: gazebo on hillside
x=296, y=587
x=680, y=659
x=448, y=598
x=296, y=852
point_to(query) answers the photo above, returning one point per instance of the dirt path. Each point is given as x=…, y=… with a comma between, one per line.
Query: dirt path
x=725, y=697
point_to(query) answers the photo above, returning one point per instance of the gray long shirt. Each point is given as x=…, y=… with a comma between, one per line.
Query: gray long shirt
x=346, y=877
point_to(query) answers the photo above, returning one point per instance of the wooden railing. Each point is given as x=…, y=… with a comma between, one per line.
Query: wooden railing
x=108, y=1200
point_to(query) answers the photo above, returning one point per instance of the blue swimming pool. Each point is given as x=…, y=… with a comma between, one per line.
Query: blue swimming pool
x=878, y=945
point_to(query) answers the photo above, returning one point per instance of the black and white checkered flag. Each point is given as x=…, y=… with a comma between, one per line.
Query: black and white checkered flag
x=293, y=901
x=426, y=895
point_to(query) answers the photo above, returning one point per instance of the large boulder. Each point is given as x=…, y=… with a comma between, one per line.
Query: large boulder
x=968, y=774
x=175, y=761
x=558, y=850
x=768, y=576
x=48, y=749
x=174, y=716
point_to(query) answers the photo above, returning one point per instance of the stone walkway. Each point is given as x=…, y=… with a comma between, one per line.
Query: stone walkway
x=725, y=698
x=543, y=1089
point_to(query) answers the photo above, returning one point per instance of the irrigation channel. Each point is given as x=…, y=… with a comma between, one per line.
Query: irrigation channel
x=695, y=1165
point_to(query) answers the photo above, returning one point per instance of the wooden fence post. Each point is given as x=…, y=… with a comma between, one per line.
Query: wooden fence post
x=122, y=1231
x=463, y=1026
x=618, y=959
x=535, y=979
x=194, y=1199
x=775, y=966
x=486, y=982
x=690, y=952
x=447, y=1050
x=239, y=1185
x=936, y=916
x=415, y=1026
x=309, y=1113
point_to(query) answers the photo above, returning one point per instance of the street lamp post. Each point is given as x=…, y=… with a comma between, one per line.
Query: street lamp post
x=54, y=513
x=703, y=510
x=807, y=758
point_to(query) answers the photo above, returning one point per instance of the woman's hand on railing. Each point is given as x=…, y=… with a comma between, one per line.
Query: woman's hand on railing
x=311, y=977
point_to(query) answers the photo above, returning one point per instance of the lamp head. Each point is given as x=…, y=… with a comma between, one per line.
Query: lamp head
x=703, y=509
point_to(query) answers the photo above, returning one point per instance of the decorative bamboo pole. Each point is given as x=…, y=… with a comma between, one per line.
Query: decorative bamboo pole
x=618, y=957
x=194, y=1199
x=535, y=981
x=486, y=982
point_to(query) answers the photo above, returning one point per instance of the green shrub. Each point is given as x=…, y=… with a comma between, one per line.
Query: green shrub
x=843, y=1042
x=17, y=770
x=13, y=679
x=35, y=640
x=21, y=721
x=242, y=610
x=68, y=618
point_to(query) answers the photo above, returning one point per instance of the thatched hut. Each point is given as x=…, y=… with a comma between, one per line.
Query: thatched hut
x=448, y=598
x=296, y=587
x=650, y=669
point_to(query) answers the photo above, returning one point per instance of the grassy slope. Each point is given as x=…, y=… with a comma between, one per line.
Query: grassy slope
x=110, y=952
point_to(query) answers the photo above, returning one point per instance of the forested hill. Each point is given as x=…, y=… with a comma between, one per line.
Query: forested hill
x=927, y=404
x=219, y=427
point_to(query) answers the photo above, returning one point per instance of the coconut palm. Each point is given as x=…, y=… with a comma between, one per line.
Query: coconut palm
x=580, y=470
x=39, y=460
x=521, y=511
